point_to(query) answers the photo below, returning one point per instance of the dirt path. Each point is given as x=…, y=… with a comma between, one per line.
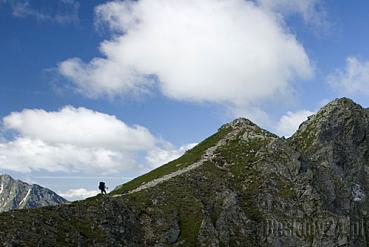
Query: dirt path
x=207, y=156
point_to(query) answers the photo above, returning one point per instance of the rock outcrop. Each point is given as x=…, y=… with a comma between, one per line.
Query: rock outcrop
x=243, y=186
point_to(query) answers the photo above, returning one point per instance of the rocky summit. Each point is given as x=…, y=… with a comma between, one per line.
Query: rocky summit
x=242, y=186
x=15, y=194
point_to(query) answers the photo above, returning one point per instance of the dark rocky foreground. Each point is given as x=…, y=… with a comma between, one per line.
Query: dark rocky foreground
x=243, y=186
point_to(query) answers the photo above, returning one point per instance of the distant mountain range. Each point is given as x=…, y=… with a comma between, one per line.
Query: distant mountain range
x=15, y=194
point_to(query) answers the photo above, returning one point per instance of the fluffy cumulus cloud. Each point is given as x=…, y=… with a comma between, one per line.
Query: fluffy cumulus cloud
x=75, y=140
x=78, y=194
x=291, y=121
x=79, y=126
x=230, y=52
x=354, y=79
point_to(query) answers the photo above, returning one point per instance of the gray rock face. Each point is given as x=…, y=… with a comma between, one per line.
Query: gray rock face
x=243, y=186
x=15, y=194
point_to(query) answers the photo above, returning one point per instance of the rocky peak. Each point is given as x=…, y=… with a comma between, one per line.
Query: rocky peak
x=340, y=121
x=246, y=129
x=15, y=194
x=341, y=103
x=239, y=123
x=5, y=177
x=334, y=146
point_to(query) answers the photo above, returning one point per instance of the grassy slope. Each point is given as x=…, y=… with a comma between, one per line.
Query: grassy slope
x=187, y=159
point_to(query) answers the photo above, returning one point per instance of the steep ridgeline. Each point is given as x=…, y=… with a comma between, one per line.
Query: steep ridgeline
x=15, y=194
x=243, y=186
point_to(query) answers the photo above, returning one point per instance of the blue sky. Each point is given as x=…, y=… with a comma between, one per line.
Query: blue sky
x=99, y=69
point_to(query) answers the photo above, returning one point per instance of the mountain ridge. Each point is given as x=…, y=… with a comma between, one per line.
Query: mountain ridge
x=246, y=187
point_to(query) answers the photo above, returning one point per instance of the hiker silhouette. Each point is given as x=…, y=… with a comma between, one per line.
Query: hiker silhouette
x=102, y=188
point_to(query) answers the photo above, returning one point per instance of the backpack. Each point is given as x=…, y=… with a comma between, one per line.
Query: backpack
x=101, y=186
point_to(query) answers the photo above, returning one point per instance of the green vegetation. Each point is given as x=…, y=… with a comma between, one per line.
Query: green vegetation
x=242, y=155
x=190, y=220
x=63, y=230
x=187, y=159
x=177, y=201
x=87, y=230
x=305, y=138
x=92, y=201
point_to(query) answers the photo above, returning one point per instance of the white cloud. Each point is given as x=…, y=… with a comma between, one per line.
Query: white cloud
x=78, y=194
x=290, y=122
x=81, y=127
x=230, y=52
x=354, y=79
x=160, y=156
x=76, y=140
x=312, y=11
x=27, y=155
x=61, y=11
